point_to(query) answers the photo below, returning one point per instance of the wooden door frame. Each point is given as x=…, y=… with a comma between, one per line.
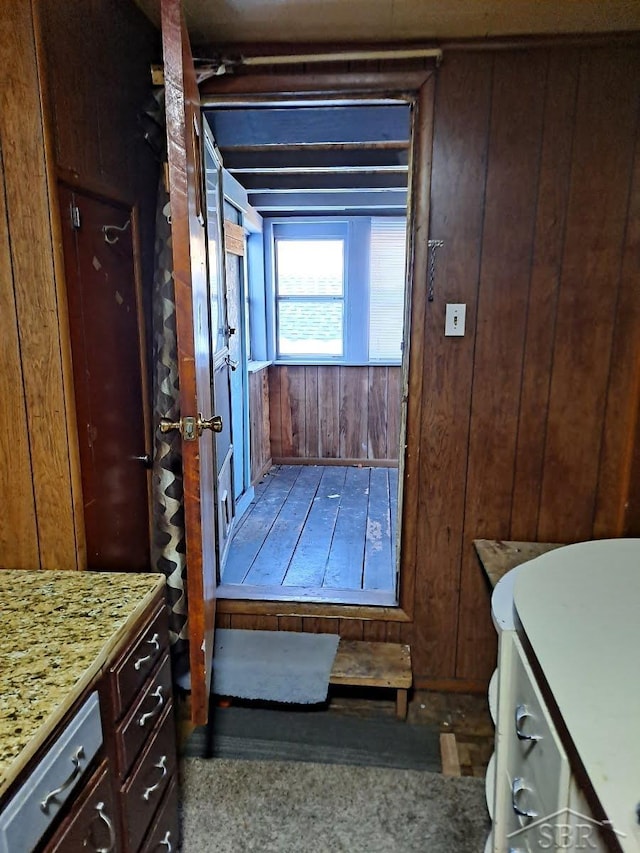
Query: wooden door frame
x=418, y=88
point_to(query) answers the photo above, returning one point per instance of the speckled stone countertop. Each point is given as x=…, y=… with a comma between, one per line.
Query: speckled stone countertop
x=57, y=631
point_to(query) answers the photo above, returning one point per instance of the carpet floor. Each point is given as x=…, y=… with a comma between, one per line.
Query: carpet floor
x=284, y=807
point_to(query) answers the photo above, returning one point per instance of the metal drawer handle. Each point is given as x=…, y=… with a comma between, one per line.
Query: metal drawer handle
x=157, y=693
x=77, y=770
x=166, y=842
x=516, y=790
x=152, y=642
x=161, y=765
x=523, y=714
x=112, y=832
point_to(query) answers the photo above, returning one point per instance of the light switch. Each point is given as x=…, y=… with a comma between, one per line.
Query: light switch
x=454, y=319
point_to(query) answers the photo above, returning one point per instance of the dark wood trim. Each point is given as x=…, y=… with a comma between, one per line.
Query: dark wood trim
x=147, y=414
x=93, y=187
x=419, y=205
x=358, y=463
x=449, y=685
x=278, y=87
x=247, y=607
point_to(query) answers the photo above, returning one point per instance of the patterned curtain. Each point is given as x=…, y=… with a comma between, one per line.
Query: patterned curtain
x=168, y=545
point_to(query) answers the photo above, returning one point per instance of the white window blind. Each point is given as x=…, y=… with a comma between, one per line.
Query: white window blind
x=387, y=280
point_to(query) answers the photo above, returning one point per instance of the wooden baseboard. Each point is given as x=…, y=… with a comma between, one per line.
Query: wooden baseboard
x=267, y=465
x=362, y=463
x=449, y=755
x=449, y=685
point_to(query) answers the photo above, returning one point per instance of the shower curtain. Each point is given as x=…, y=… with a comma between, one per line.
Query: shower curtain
x=168, y=540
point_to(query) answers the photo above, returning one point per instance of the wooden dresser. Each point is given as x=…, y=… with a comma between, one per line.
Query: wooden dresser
x=87, y=729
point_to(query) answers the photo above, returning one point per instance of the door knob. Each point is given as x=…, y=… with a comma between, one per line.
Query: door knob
x=191, y=428
x=214, y=423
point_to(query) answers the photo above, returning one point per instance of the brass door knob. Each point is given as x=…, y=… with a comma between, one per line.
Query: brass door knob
x=191, y=428
x=214, y=423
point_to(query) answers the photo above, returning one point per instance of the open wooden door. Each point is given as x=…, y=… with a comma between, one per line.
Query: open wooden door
x=189, y=241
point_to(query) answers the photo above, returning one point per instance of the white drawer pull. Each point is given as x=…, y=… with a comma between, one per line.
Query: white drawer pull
x=523, y=714
x=112, y=833
x=157, y=693
x=517, y=789
x=76, y=771
x=166, y=842
x=161, y=765
x=156, y=647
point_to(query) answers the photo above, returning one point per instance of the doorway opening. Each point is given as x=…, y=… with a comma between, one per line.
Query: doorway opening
x=319, y=298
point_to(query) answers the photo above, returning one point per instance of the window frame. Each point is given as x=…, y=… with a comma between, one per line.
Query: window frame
x=355, y=332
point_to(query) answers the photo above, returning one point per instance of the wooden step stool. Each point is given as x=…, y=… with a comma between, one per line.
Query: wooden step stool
x=360, y=664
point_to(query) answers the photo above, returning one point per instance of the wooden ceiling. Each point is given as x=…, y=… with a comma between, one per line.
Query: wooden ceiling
x=214, y=22
x=342, y=160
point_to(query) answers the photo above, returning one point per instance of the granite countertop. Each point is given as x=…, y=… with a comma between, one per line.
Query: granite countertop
x=58, y=630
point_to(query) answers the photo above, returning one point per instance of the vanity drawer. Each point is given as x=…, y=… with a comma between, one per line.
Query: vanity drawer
x=91, y=826
x=164, y=835
x=536, y=753
x=52, y=782
x=132, y=671
x=141, y=719
x=143, y=792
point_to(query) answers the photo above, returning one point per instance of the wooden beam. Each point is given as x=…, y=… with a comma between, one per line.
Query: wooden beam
x=296, y=88
x=259, y=126
x=390, y=199
x=263, y=158
x=304, y=181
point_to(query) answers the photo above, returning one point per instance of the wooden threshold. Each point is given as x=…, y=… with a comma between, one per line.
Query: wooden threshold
x=304, y=594
x=313, y=609
x=347, y=463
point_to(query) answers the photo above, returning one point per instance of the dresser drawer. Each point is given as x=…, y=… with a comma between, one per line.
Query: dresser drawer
x=91, y=827
x=164, y=834
x=35, y=806
x=536, y=753
x=131, y=672
x=132, y=735
x=143, y=792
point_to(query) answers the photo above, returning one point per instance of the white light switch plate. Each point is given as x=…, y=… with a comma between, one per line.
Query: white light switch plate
x=454, y=319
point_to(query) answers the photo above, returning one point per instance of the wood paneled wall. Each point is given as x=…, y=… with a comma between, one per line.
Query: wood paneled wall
x=529, y=422
x=529, y=425
x=331, y=412
x=259, y=423
x=51, y=58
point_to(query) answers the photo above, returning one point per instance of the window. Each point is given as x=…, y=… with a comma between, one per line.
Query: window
x=310, y=297
x=338, y=289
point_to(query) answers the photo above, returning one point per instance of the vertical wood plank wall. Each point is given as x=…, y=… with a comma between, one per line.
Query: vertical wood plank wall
x=530, y=422
x=35, y=476
x=48, y=53
x=332, y=412
x=259, y=427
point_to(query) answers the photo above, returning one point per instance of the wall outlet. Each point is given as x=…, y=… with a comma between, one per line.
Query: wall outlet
x=454, y=319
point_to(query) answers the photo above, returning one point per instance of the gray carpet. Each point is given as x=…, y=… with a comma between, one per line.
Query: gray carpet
x=279, y=807
x=276, y=666
x=320, y=735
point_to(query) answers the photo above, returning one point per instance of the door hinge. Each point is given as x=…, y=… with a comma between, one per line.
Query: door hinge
x=75, y=217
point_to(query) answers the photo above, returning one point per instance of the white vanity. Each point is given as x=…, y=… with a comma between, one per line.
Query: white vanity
x=566, y=702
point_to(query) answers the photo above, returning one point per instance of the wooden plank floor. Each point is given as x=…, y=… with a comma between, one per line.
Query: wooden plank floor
x=320, y=527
